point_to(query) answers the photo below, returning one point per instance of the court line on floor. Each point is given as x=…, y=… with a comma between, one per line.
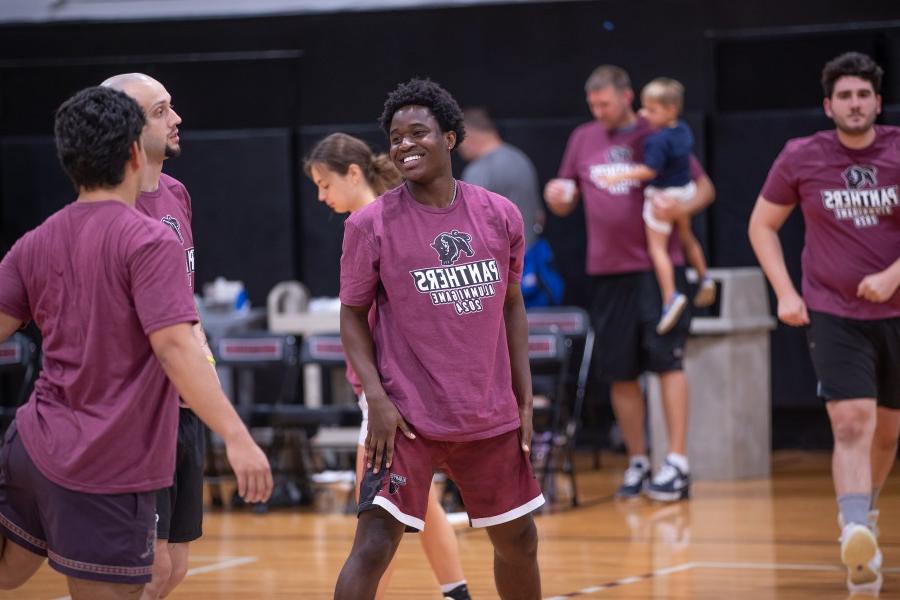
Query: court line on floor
x=626, y=581
x=221, y=566
x=225, y=562
x=703, y=565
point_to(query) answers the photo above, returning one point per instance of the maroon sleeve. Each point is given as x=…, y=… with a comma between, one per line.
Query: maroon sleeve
x=516, y=231
x=696, y=168
x=568, y=169
x=13, y=295
x=188, y=207
x=157, y=275
x=781, y=184
x=359, y=267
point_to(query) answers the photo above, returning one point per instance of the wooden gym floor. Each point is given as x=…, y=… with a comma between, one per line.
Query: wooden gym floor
x=762, y=539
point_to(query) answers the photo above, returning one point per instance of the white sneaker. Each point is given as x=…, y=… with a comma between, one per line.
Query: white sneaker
x=670, y=484
x=861, y=556
x=636, y=478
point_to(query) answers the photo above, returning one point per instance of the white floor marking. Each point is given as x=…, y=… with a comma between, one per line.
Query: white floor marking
x=594, y=589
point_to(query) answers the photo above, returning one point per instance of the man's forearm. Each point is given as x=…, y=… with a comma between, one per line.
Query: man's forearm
x=8, y=326
x=768, y=251
x=516, y=322
x=200, y=334
x=359, y=348
x=705, y=195
x=189, y=370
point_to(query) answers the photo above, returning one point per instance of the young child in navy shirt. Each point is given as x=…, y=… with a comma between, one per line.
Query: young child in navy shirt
x=666, y=166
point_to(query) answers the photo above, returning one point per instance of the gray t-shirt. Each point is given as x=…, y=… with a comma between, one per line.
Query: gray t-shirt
x=509, y=172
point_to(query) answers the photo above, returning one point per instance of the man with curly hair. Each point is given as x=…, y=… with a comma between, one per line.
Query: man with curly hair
x=446, y=359
x=80, y=466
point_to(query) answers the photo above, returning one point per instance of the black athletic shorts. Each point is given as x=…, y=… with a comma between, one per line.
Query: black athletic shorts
x=180, y=507
x=625, y=309
x=856, y=359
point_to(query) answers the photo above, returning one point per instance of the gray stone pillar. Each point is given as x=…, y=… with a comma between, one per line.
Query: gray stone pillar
x=727, y=366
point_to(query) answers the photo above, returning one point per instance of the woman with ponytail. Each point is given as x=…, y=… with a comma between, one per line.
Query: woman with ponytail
x=350, y=176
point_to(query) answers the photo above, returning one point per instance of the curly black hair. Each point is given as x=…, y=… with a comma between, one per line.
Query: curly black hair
x=855, y=64
x=94, y=131
x=424, y=92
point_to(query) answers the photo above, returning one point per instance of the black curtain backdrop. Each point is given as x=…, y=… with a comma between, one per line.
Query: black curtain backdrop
x=255, y=94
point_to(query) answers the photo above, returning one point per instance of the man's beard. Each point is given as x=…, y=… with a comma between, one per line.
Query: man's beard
x=855, y=130
x=172, y=151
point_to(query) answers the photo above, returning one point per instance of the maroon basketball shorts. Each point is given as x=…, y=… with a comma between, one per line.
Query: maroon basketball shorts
x=493, y=475
x=90, y=536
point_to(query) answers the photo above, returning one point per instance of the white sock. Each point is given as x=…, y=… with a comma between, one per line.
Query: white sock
x=639, y=461
x=449, y=587
x=680, y=461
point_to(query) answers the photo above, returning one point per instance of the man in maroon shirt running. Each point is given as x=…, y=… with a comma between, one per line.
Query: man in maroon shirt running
x=845, y=181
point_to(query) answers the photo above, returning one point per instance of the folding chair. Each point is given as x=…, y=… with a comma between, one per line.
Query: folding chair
x=18, y=353
x=334, y=447
x=574, y=324
x=241, y=357
x=548, y=356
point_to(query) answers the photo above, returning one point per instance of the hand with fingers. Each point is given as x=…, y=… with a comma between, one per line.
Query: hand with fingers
x=878, y=287
x=792, y=310
x=250, y=466
x=559, y=194
x=527, y=427
x=384, y=421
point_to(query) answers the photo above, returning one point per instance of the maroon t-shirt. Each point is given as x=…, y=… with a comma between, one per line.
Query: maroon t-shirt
x=616, y=242
x=438, y=277
x=97, y=278
x=171, y=205
x=849, y=202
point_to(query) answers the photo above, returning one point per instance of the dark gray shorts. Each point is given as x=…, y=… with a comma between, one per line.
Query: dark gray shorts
x=90, y=536
x=180, y=507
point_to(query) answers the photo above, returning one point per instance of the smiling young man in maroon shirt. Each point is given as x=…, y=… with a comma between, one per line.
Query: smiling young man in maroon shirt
x=445, y=361
x=845, y=181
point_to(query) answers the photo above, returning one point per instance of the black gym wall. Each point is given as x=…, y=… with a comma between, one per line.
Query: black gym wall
x=256, y=93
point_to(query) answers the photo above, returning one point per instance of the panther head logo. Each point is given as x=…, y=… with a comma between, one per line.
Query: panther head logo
x=396, y=482
x=619, y=154
x=450, y=245
x=860, y=176
x=173, y=223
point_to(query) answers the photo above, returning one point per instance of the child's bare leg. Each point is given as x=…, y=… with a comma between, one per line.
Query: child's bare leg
x=658, y=248
x=693, y=251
